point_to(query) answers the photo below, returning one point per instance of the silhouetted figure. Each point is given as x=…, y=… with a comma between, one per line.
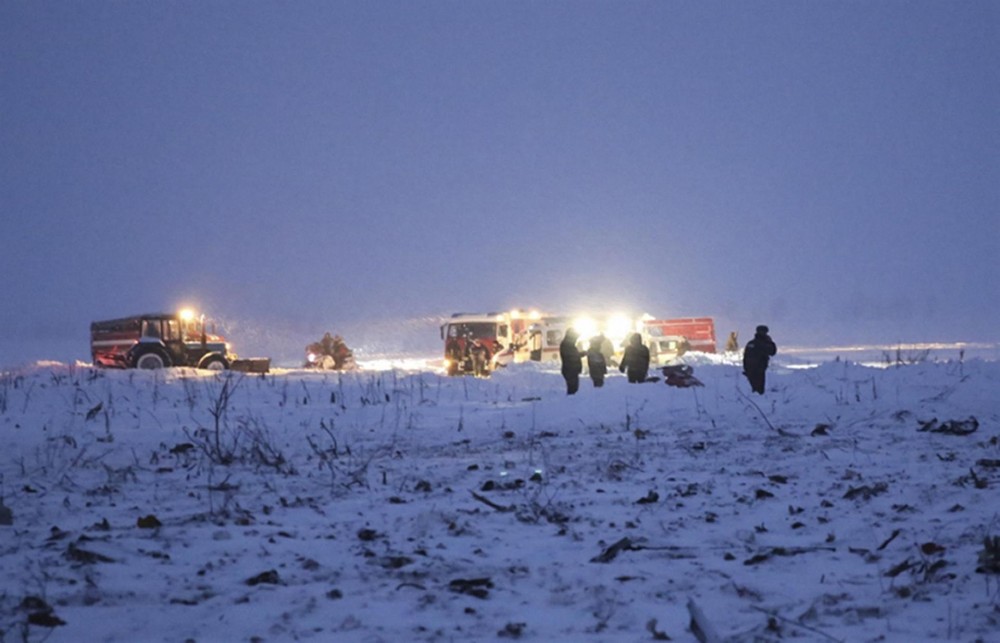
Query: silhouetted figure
x=607, y=349
x=480, y=355
x=635, y=361
x=597, y=366
x=572, y=364
x=756, y=356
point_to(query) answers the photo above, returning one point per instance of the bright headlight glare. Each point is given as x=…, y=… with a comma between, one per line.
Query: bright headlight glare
x=585, y=326
x=619, y=327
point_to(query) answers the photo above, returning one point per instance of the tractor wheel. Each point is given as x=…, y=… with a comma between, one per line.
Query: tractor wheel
x=150, y=360
x=214, y=363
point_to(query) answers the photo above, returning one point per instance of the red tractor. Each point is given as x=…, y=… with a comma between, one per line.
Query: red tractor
x=161, y=340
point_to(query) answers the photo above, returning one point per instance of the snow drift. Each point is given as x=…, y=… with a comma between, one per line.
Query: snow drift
x=848, y=503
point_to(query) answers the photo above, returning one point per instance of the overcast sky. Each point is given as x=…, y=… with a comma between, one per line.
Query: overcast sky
x=829, y=168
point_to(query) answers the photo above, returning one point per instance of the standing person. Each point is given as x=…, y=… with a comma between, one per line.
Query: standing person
x=756, y=356
x=635, y=361
x=480, y=354
x=733, y=342
x=607, y=349
x=597, y=366
x=572, y=364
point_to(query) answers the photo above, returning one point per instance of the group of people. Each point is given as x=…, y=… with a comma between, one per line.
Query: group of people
x=635, y=361
x=468, y=353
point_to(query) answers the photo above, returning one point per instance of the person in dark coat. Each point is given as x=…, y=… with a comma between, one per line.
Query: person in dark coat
x=572, y=364
x=480, y=354
x=607, y=350
x=756, y=356
x=597, y=366
x=635, y=361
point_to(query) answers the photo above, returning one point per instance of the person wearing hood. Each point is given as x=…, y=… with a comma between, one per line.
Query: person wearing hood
x=607, y=349
x=756, y=356
x=572, y=364
x=597, y=366
x=635, y=361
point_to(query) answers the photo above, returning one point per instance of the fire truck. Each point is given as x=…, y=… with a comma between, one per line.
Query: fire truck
x=494, y=331
x=160, y=340
x=514, y=336
x=519, y=336
x=669, y=339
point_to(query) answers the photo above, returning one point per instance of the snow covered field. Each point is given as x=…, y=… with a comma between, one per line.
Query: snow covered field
x=849, y=503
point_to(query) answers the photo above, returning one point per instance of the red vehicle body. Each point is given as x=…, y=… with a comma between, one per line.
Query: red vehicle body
x=493, y=330
x=671, y=338
x=157, y=340
x=519, y=336
x=512, y=336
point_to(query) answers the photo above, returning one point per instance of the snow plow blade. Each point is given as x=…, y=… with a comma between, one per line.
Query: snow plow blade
x=252, y=365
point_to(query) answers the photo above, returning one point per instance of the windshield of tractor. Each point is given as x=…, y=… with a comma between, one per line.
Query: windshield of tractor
x=192, y=330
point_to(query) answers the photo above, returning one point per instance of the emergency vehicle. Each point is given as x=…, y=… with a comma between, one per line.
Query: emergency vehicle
x=669, y=339
x=520, y=336
x=494, y=331
x=159, y=340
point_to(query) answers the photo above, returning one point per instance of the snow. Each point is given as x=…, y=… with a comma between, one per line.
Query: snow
x=396, y=504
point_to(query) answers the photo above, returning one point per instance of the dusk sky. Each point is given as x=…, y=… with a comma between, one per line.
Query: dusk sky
x=831, y=169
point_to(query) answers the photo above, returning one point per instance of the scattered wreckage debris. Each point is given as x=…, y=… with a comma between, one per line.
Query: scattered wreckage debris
x=657, y=635
x=148, y=522
x=627, y=544
x=866, y=492
x=821, y=429
x=950, y=427
x=610, y=553
x=512, y=630
x=680, y=376
x=784, y=551
x=330, y=354
x=77, y=555
x=989, y=558
x=705, y=632
x=489, y=503
x=269, y=577
x=885, y=543
x=477, y=587
x=40, y=613
x=700, y=625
